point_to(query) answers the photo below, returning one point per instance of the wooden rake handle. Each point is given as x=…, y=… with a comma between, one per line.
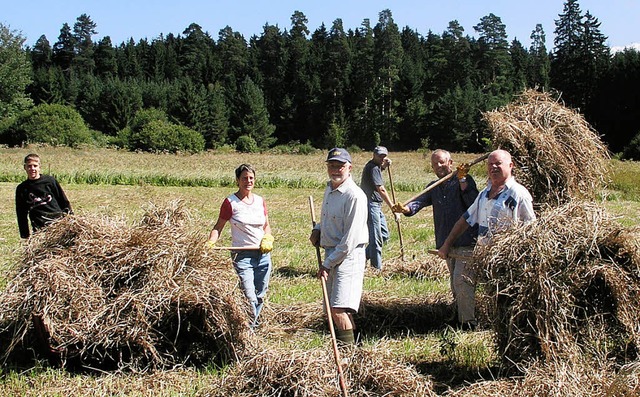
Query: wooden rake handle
x=444, y=179
x=325, y=296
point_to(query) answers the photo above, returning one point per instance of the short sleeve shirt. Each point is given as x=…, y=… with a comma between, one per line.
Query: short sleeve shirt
x=247, y=220
x=371, y=178
x=512, y=206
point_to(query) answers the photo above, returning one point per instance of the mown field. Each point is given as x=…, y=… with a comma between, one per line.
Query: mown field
x=119, y=184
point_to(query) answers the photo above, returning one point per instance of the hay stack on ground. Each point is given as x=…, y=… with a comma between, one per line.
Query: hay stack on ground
x=558, y=155
x=565, y=287
x=94, y=292
x=562, y=379
x=310, y=373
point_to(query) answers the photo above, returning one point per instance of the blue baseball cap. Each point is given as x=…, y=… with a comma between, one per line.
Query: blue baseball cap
x=339, y=154
x=380, y=150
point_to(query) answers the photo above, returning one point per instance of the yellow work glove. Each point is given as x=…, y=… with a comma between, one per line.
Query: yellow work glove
x=399, y=208
x=208, y=245
x=266, y=244
x=463, y=170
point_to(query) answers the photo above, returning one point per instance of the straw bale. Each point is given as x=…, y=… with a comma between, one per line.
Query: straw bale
x=558, y=155
x=564, y=286
x=562, y=379
x=95, y=292
x=367, y=372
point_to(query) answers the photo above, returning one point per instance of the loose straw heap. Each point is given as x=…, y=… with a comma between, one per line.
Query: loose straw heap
x=310, y=373
x=558, y=155
x=565, y=287
x=92, y=292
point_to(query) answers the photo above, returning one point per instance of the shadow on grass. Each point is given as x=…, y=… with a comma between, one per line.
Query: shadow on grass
x=292, y=272
x=396, y=317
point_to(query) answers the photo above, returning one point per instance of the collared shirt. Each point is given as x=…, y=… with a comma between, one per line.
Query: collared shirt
x=370, y=180
x=513, y=205
x=449, y=203
x=343, y=222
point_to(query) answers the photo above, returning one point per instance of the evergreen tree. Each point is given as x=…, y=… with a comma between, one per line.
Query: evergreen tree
x=567, y=74
x=83, y=29
x=614, y=111
x=48, y=85
x=234, y=57
x=520, y=65
x=540, y=65
x=387, y=62
x=359, y=104
x=196, y=53
x=298, y=79
x=269, y=65
x=253, y=116
x=41, y=53
x=411, y=109
x=105, y=58
x=494, y=61
x=128, y=60
x=459, y=64
x=64, y=49
x=595, y=55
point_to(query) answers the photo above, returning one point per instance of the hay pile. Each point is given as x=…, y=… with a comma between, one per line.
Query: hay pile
x=562, y=379
x=557, y=154
x=302, y=373
x=565, y=287
x=93, y=292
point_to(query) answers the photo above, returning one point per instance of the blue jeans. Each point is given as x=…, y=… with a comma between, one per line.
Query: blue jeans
x=378, y=234
x=254, y=270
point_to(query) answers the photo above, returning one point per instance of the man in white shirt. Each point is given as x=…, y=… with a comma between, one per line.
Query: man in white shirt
x=501, y=205
x=342, y=232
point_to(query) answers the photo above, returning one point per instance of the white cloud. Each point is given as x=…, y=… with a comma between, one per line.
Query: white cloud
x=635, y=46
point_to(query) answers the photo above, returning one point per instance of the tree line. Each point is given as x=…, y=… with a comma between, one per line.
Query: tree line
x=373, y=84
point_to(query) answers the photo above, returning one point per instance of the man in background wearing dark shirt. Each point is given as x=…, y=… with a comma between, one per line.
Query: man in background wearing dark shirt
x=450, y=200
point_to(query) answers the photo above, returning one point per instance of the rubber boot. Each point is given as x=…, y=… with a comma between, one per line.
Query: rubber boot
x=345, y=336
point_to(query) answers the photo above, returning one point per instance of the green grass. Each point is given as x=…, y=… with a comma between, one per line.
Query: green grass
x=119, y=185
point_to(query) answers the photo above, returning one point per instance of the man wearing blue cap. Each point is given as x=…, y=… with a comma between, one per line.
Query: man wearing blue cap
x=373, y=187
x=342, y=232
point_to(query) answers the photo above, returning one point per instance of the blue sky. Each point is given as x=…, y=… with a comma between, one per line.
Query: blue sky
x=121, y=19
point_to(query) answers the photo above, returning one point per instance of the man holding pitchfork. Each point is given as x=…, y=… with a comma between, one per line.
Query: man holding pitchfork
x=450, y=200
x=342, y=232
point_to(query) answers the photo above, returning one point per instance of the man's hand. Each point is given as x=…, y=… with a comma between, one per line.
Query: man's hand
x=266, y=244
x=399, y=208
x=323, y=273
x=208, y=245
x=315, y=237
x=386, y=163
x=443, y=252
x=463, y=170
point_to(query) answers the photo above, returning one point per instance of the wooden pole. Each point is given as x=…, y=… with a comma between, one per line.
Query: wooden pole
x=443, y=179
x=393, y=196
x=248, y=248
x=325, y=296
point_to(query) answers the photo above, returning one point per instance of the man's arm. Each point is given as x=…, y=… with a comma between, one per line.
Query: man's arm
x=22, y=213
x=385, y=196
x=460, y=227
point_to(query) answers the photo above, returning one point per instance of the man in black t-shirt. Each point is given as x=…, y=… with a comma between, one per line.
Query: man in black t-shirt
x=40, y=198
